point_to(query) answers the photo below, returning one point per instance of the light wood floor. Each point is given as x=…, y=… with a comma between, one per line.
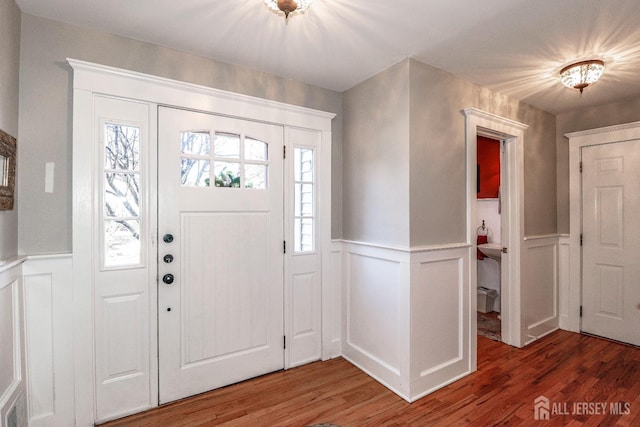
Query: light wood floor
x=565, y=367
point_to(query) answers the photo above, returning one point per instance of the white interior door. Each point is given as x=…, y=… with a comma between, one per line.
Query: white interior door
x=611, y=233
x=220, y=296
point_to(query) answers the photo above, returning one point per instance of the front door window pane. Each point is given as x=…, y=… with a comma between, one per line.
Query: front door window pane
x=198, y=143
x=255, y=176
x=254, y=149
x=227, y=174
x=226, y=145
x=195, y=172
x=229, y=160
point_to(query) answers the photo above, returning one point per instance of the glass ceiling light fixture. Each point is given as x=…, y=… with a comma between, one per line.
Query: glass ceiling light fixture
x=582, y=74
x=288, y=6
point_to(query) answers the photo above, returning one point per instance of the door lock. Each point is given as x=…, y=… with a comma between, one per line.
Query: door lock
x=168, y=279
x=167, y=238
x=168, y=258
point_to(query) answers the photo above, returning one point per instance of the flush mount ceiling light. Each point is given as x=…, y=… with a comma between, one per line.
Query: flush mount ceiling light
x=582, y=74
x=288, y=6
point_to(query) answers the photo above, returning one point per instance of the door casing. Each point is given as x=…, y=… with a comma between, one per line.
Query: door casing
x=609, y=252
x=570, y=320
x=479, y=122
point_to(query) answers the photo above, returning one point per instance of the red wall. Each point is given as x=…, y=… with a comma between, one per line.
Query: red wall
x=489, y=164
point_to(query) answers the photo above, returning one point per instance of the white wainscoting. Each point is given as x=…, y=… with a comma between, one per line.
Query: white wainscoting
x=406, y=315
x=539, y=292
x=12, y=372
x=443, y=318
x=332, y=303
x=568, y=320
x=49, y=339
x=376, y=313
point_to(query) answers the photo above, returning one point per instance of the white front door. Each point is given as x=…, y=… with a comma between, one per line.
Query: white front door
x=611, y=234
x=220, y=221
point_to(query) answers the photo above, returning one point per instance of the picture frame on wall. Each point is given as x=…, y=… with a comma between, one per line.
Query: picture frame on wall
x=7, y=170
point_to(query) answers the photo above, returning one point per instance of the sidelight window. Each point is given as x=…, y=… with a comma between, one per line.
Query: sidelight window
x=121, y=196
x=304, y=199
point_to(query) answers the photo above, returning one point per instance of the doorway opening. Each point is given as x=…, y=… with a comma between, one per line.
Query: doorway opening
x=488, y=236
x=511, y=135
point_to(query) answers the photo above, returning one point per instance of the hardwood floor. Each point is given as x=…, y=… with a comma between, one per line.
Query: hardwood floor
x=565, y=367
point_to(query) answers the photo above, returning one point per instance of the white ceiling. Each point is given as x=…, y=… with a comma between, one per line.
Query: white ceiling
x=515, y=47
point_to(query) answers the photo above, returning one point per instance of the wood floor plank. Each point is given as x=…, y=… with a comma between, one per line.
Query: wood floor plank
x=565, y=367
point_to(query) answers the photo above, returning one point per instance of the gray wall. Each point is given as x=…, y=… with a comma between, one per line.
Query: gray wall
x=375, y=118
x=625, y=111
x=9, y=75
x=45, y=113
x=438, y=156
x=376, y=159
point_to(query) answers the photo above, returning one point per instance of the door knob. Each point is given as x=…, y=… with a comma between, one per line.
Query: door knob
x=168, y=279
x=168, y=258
x=168, y=238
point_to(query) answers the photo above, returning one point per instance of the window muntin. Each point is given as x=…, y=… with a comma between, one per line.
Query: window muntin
x=237, y=160
x=121, y=196
x=304, y=199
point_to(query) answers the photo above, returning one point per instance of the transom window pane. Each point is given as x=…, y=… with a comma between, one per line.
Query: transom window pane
x=226, y=145
x=304, y=199
x=122, y=196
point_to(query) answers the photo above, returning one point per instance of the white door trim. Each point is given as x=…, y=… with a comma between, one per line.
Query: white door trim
x=90, y=80
x=487, y=124
x=577, y=140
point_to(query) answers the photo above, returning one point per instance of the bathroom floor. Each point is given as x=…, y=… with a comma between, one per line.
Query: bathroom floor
x=489, y=326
